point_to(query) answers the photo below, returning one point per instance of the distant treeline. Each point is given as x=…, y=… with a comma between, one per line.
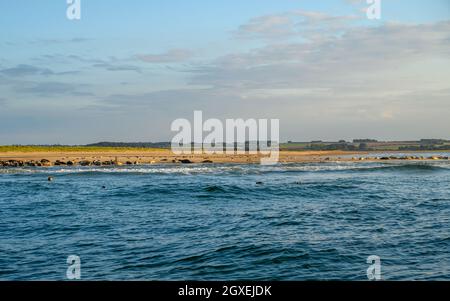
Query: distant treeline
x=131, y=144
x=245, y=145
x=424, y=147
x=370, y=145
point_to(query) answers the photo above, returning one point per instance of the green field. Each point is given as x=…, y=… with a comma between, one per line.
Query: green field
x=369, y=146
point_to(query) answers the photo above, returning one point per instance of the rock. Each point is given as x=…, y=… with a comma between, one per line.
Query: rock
x=259, y=183
x=97, y=163
x=207, y=161
x=70, y=163
x=129, y=163
x=186, y=161
x=384, y=158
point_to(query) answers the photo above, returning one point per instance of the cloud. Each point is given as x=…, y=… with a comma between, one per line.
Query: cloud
x=380, y=77
x=51, y=89
x=114, y=67
x=171, y=56
x=266, y=27
x=354, y=58
x=109, y=64
x=298, y=23
x=26, y=70
x=61, y=41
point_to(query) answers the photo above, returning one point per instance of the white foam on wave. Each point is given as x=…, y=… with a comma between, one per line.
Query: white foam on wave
x=107, y=170
x=217, y=169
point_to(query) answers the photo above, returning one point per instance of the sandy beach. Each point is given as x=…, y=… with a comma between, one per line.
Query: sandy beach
x=166, y=156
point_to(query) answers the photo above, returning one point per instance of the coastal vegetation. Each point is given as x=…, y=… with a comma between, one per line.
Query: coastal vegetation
x=369, y=145
x=341, y=145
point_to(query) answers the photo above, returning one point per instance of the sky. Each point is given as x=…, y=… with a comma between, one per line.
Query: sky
x=127, y=69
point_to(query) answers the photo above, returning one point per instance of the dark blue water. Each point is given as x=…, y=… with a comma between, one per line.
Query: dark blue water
x=213, y=222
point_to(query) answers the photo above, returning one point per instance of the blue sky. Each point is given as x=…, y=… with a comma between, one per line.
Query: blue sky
x=128, y=68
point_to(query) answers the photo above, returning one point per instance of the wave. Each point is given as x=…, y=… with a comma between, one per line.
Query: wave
x=148, y=169
x=238, y=169
x=416, y=167
x=359, y=167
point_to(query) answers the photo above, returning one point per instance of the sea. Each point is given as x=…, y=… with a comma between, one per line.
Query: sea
x=299, y=221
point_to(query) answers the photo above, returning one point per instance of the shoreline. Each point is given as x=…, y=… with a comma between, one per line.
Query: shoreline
x=164, y=156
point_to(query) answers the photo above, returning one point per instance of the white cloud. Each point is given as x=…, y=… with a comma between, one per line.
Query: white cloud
x=171, y=56
x=371, y=57
x=298, y=23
